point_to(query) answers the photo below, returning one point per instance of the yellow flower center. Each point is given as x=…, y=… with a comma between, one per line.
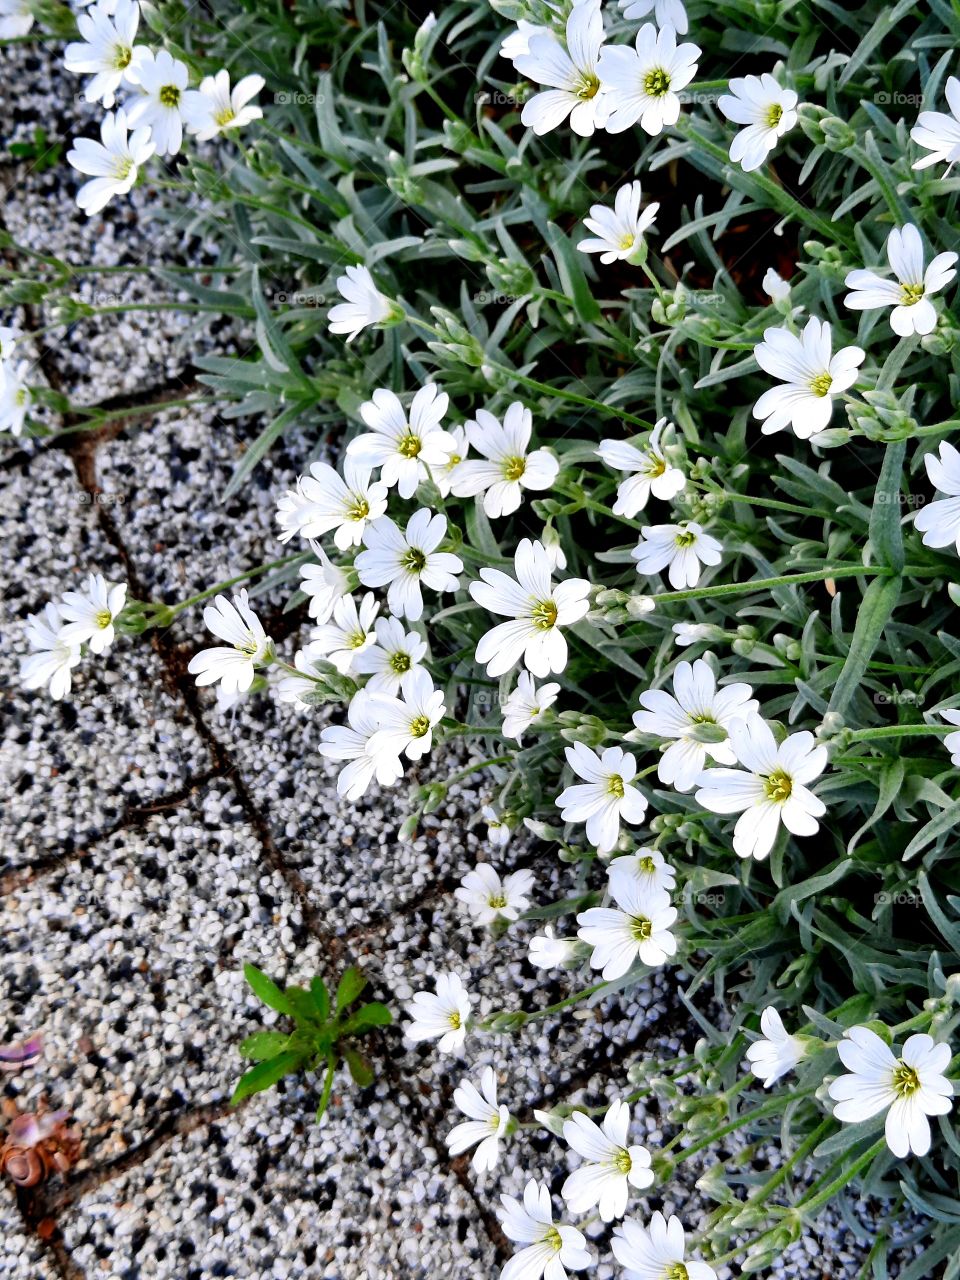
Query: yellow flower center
x=359, y=511
x=647, y=865
x=615, y=786
x=622, y=1162
x=641, y=927
x=248, y=648
x=123, y=168
x=414, y=560
x=400, y=662
x=911, y=294
x=121, y=57
x=778, y=786
x=419, y=727
x=224, y=116
x=103, y=619
x=499, y=901
x=169, y=96
x=676, y=1271
x=455, y=1020
x=588, y=86
x=553, y=1238
x=774, y=116
x=409, y=445
x=627, y=241
x=685, y=539
x=821, y=384
x=657, y=83
x=21, y=397
x=357, y=640
x=655, y=466
x=905, y=1079
x=544, y=615
x=513, y=468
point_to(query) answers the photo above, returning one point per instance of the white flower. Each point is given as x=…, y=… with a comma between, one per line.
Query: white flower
x=489, y=898
x=108, y=30
x=777, y=1053
x=688, y=633
x=641, y=84
x=940, y=133
x=811, y=377
x=618, y=232
x=653, y=473
x=638, y=927
x=52, y=659
x=89, y=614
x=538, y=611
x=610, y=1167
x=443, y=1016
x=525, y=704
x=939, y=522
x=508, y=468
x=517, y=42
x=647, y=866
x=605, y=798
x=549, y=1250
x=952, y=740
x=296, y=688
x=250, y=646
x=547, y=951
x=442, y=475
x=679, y=548
x=351, y=742
x=910, y=293
x=774, y=286
x=407, y=723
x=769, y=789
x=363, y=304
x=767, y=110
x=161, y=81
x=324, y=584
x=404, y=560
x=405, y=446
x=16, y=18
x=656, y=1252
x=347, y=635
x=8, y=342
x=486, y=1123
x=112, y=164
x=323, y=501
x=498, y=833
x=15, y=396
x=395, y=653
x=696, y=718
x=908, y=1088
x=215, y=107
x=666, y=13
x=571, y=72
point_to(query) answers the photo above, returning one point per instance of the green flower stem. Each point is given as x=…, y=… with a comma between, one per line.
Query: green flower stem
x=176, y=609
x=893, y=201
x=125, y=308
x=772, y=504
x=812, y=1140
x=473, y=768
x=900, y=731
x=96, y=418
x=769, y=1108
x=566, y=1003
x=895, y=361
x=812, y=1203
x=765, y=584
x=778, y=196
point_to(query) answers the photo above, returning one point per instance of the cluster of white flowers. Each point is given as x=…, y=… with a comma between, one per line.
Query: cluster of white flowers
x=15, y=394
x=58, y=634
x=157, y=103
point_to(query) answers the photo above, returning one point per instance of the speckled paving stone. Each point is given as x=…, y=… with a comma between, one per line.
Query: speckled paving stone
x=22, y=1255
x=268, y=1194
x=40, y=212
x=171, y=475
x=70, y=769
x=129, y=963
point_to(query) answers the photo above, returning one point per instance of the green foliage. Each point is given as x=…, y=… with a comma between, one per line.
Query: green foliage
x=321, y=1035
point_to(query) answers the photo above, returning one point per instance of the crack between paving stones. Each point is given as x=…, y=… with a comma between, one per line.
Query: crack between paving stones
x=135, y=817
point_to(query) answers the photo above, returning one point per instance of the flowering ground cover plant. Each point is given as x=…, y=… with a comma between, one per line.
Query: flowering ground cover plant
x=637, y=326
